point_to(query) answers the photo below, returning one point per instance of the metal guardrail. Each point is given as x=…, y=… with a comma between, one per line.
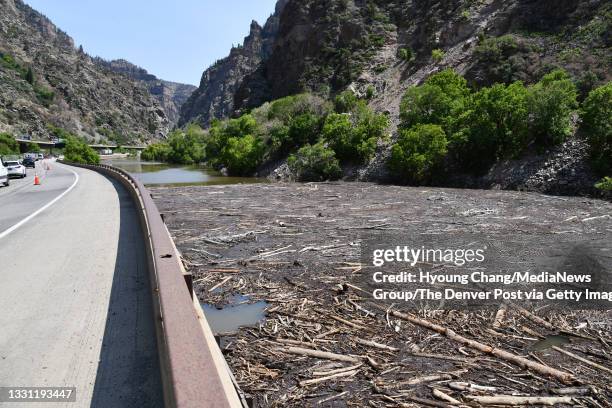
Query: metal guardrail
x=189, y=374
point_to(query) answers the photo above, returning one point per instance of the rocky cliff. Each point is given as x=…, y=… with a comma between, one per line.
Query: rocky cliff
x=170, y=95
x=221, y=82
x=46, y=82
x=328, y=45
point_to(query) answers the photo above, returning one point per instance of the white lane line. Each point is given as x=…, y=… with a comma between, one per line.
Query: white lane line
x=43, y=208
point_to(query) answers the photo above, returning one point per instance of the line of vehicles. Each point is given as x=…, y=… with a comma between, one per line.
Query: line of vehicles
x=15, y=167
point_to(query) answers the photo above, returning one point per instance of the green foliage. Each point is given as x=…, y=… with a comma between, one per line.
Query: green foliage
x=29, y=76
x=8, y=144
x=156, y=152
x=405, y=54
x=242, y=155
x=418, y=152
x=315, y=163
x=493, y=127
x=495, y=49
x=438, y=101
x=437, y=55
x=597, y=111
x=345, y=102
x=186, y=147
x=552, y=102
x=605, y=184
x=33, y=148
x=354, y=136
x=58, y=132
x=77, y=151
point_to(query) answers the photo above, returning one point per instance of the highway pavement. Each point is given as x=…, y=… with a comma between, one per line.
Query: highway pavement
x=75, y=301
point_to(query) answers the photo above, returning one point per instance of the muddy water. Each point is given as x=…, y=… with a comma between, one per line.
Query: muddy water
x=231, y=317
x=163, y=174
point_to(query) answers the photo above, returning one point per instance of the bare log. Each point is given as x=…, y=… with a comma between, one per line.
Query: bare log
x=326, y=355
x=505, y=355
x=515, y=400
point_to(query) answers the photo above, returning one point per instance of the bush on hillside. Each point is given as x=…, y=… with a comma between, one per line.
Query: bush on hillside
x=418, y=153
x=77, y=151
x=438, y=101
x=605, y=184
x=345, y=102
x=596, y=114
x=8, y=144
x=315, y=163
x=552, y=102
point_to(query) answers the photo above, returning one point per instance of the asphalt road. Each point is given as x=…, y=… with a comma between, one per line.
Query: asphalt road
x=75, y=303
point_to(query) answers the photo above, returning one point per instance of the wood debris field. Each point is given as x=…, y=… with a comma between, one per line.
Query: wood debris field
x=325, y=343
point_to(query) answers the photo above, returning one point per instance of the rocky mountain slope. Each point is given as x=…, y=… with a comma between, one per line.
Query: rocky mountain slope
x=46, y=82
x=381, y=48
x=328, y=45
x=170, y=95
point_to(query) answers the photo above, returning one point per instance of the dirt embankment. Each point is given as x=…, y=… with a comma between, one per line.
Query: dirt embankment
x=325, y=343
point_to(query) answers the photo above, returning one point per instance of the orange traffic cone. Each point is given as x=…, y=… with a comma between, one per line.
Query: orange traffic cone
x=36, y=180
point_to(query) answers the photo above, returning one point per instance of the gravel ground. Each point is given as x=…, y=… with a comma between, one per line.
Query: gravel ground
x=324, y=342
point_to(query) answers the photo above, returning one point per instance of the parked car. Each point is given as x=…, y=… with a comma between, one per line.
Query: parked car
x=29, y=162
x=4, y=178
x=40, y=156
x=15, y=168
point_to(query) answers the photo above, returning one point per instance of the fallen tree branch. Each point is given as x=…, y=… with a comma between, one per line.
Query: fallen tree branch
x=326, y=355
x=504, y=355
x=515, y=400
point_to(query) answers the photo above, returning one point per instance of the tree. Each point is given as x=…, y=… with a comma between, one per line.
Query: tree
x=8, y=144
x=156, y=152
x=438, y=101
x=242, y=155
x=29, y=76
x=33, y=147
x=315, y=163
x=77, y=151
x=552, y=102
x=418, y=153
x=494, y=126
x=596, y=114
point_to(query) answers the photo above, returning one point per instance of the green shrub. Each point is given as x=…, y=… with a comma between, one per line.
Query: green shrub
x=596, y=114
x=304, y=129
x=438, y=101
x=493, y=127
x=552, y=103
x=605, y=184
x=29, y=76
x=186, y=147
x=405, y=54
x=242, y=155
x=156, y=152
x=33, y=147
x=8, y=144
x=345, y=102
x=354, y=136
x=77, y=151
x=437, y=55
x=495, y=49
x=418, y=152
x=315, y=163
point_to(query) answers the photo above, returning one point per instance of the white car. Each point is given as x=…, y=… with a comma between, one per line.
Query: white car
x=15, y=168
x=4, y=178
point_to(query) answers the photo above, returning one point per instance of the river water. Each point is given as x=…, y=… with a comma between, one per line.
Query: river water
x=163, y=174
x=239, y=312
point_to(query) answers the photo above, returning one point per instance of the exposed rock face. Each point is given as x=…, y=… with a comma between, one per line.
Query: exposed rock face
x=67, y=88
x=171, y=95
x=215, y=96
x=327, y=45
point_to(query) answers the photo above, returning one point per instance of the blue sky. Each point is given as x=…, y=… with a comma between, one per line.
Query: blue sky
x=174, y=40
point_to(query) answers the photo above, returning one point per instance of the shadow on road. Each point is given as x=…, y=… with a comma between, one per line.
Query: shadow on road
x=128, y=372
